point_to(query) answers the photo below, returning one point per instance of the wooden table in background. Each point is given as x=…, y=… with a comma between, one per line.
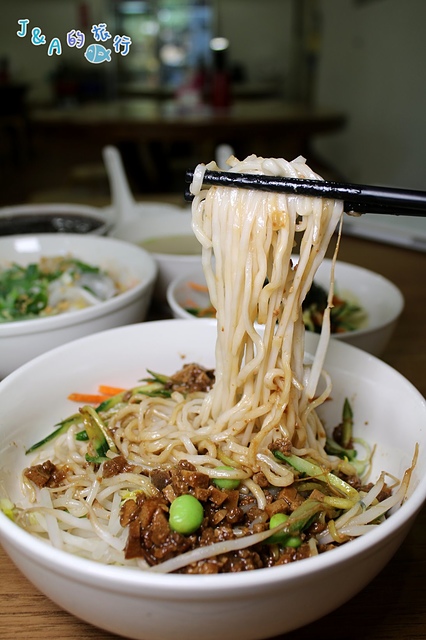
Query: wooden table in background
x=148, y=119
x=155, y=131
x=392, y=606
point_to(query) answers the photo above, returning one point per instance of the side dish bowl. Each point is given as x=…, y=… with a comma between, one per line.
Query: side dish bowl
x=165, y=230
x=53, y=218
x=381, y=300
x=134, y=269
x=388, y=412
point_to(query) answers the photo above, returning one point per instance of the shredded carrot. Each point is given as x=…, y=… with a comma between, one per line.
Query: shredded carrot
x=107, y=390
x=198, y=287
x=89, y=398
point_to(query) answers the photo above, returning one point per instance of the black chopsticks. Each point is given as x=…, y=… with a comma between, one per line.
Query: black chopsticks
x=357, y=198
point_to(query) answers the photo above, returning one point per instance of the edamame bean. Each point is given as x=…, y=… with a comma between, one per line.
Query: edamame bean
x=293, y=541
x=276, y=519
x=186, y=514
x=282, y=537
x=226, y=483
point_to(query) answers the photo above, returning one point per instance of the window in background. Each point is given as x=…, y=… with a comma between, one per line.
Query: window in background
x=170, y=40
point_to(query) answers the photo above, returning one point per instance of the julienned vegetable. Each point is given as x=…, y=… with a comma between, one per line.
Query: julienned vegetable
x=52, y=286
x=344, y=315
x=98, y=435
x=307, y=468
x=152, y=387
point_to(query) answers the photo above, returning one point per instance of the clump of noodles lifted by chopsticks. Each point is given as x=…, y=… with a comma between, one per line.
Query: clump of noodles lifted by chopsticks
x=241, y=446
x=247, y=238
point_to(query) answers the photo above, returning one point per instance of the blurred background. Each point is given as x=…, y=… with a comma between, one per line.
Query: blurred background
x=338, y=81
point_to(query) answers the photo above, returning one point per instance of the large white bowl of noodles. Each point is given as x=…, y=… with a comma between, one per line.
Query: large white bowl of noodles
x=132, y=270
x=379, y=301
x=388, y=412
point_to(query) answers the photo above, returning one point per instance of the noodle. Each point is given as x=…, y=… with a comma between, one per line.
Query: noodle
x=247, y=239
x=263, y=391
x=260, y=392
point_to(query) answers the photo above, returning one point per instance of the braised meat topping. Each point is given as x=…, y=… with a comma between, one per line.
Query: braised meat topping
x=116, y=465
x=191, y=378
x=228, y=513
x=282, y=444
x=46, y=474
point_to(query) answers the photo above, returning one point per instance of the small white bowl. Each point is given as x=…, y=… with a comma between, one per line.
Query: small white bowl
x=134, y=268
x=388, y=411
x=166, y=231
x=381, y=299
x=53, y=218
x=181, y=295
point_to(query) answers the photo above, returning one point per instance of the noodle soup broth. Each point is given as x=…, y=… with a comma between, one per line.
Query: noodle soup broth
x=166, y=232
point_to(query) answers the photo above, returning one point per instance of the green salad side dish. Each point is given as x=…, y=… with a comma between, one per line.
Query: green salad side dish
x=51, y=286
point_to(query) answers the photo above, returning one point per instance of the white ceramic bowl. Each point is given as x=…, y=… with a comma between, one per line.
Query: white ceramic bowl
x=388, y=411
x=159, y=223
x=135, y=268
x=53, y=218
x=381, y=299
